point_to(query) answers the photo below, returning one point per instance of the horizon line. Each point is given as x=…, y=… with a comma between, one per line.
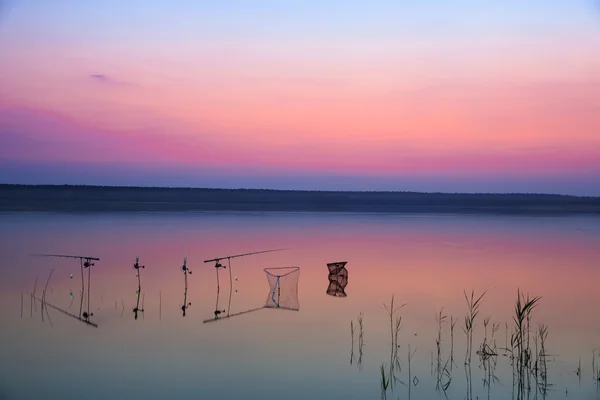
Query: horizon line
x=302, y=190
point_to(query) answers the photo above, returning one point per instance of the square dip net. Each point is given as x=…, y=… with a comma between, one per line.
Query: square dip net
x=283, y=291
x=283, y=288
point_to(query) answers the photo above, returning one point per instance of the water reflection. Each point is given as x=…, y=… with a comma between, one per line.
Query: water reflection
x=44, y=305
x=283, y=292
x=219, y=311
x=412, y=380
x=294, y=352
x=443, y=367
x=395, y=325
x=469, y=378
x=84, y=262
x=360, y=337
x=488, y=356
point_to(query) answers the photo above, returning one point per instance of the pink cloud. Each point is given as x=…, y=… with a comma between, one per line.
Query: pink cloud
x=36, y=135
x=30, y=134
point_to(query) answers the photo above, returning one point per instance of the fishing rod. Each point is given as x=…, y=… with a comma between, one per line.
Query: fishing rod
x=69, y=256
x=241, y=255
x=83, y=264
x=218, y=266
x=218, y=260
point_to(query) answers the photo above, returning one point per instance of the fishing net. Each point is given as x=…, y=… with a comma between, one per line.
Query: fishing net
x=283, y=288
x=338, y=279
x=283, y=293
x=336, y=267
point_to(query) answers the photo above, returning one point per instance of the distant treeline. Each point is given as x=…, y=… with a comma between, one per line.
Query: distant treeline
x=109, y=198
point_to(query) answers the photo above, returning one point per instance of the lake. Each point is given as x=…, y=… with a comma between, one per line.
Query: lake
x=426, y=262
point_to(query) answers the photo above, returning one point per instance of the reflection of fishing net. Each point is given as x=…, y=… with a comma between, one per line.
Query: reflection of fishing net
x=283, y=288
x=338, y=279
x=283, y=291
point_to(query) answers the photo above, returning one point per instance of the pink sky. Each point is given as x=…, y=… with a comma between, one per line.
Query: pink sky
x=498, y=104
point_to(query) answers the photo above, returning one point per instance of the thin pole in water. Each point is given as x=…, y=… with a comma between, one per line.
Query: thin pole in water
x=34, y=291
x=82, y=288
x=88, y=299
x=230, y=286
x=44, y=295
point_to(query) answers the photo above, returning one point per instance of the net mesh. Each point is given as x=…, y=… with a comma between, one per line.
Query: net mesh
x=336, y=267
x=338, y=279
x=283, y=288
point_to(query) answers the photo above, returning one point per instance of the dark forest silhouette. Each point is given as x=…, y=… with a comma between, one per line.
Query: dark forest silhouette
x=104, y=198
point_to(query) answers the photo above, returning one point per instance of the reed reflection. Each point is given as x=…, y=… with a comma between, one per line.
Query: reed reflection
x=360, y=326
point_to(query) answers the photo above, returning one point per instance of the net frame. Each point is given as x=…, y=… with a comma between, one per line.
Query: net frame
x=286, y=278
x=291, y=276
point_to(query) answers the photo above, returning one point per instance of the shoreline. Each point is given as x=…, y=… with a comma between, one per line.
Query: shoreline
x=67, y=198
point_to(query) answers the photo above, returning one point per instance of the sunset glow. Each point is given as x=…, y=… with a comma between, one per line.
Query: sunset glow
x=469, y=97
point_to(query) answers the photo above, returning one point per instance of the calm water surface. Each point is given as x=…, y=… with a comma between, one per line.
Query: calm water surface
x=425, y=261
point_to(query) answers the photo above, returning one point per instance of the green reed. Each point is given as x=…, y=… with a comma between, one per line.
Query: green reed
x=395, y=324
x=440, y=320
x=520, y=343
x=470, y=321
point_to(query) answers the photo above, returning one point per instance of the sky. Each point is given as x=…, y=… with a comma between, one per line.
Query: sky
x=428, y=95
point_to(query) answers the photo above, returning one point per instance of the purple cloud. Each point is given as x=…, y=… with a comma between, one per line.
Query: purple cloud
x=101, y=78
